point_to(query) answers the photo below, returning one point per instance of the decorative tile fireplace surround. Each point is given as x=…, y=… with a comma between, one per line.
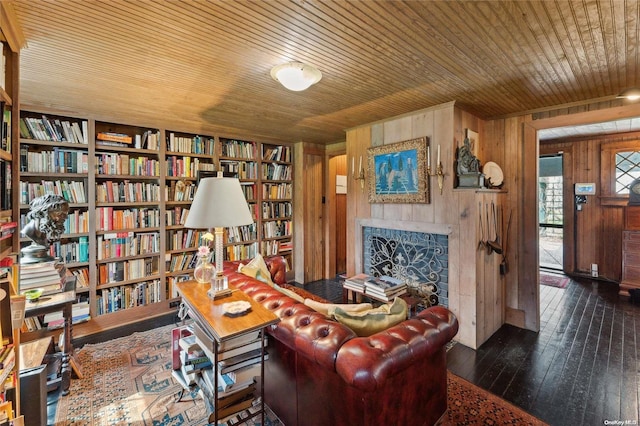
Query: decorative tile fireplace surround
x=414, y=251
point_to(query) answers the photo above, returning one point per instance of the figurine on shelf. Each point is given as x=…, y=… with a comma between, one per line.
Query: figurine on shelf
x=46, y=218
x=468, y=167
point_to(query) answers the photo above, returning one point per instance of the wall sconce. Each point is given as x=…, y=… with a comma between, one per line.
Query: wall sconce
x=439, y=172
x=360, y=175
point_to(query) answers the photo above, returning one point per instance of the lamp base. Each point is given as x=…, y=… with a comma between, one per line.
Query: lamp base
x=219, y=287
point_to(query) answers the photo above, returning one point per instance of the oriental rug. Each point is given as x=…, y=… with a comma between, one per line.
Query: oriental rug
x=128, y=381
x=553, y=280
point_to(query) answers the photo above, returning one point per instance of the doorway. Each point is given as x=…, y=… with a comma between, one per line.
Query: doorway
x=550, y=212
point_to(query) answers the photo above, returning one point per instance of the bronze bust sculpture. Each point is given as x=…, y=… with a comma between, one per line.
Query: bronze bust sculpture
x=46, y=218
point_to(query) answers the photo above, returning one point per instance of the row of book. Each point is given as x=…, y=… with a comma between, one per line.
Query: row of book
x=71, y=252
x=242, y=169
x=238, y=149
x=277, y=209
x=118, y=244
x=182, y=261
x=180, y=239
x=55, y=130
x=277, y=228
x=123, y=164
x=277, y=191
x=272, y=248
x=241, y=252
x=76, y=222
x=57, y=161
x=127, y=192
x=180, y=191
x=276, y=153
x=114, y=272
x=110, y=219
x=186, y=166
x=73, y=191
x=129, y=296
x=176, y=216
x=276, y=171
x=149, y=139
x=191, y=145
x=239, y=234
x=384, y=287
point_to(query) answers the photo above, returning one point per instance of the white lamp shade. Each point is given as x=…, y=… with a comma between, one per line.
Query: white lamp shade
x=296, y=76
x=218, y=203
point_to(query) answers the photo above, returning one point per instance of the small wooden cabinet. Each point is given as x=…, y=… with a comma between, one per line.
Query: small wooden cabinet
x=630, y=250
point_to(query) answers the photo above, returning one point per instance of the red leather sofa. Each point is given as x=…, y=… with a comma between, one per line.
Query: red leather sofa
x=320, y=373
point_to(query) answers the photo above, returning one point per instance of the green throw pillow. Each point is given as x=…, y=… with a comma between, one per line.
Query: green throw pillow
x=328, y=308
x=257, y=269
x=369, y=322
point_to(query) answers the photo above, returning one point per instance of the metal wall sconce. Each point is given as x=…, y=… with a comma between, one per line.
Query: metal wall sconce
x=439, y=171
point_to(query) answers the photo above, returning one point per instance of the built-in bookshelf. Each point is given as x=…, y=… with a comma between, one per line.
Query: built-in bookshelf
x=240, y=159
x=277, y=201
x=54, y=159
x=130, y=189
x=187, y=156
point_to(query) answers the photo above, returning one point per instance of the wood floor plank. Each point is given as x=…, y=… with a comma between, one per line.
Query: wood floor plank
x=581, y=368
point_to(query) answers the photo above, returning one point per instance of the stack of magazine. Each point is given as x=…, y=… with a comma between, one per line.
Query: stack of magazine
x=356, y=282
x=384, y=287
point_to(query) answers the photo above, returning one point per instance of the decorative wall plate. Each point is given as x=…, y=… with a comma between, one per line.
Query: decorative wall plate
x=493, y=173
x=236, y=308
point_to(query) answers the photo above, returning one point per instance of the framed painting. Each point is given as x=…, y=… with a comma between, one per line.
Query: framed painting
x=397, y=172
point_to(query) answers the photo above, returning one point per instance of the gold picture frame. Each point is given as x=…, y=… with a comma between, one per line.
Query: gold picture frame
x=397, y=173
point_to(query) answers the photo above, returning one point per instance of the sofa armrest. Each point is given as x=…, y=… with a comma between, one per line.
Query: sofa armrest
x=277, y=266
x=367, y=362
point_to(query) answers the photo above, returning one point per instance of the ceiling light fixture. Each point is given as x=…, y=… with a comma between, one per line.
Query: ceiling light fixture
x=632, y=94
x=296, y=76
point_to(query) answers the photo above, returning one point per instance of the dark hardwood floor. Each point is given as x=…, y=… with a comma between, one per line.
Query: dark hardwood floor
x=582, y=368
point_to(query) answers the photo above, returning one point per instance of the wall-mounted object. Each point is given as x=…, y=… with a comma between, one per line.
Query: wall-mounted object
x=398, y=172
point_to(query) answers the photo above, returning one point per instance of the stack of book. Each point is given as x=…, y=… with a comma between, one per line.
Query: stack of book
x=238, y=365
x=384, y=287
x=42, y=275
x=356, y=282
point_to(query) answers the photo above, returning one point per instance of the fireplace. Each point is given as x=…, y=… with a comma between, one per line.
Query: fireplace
x=413, y=251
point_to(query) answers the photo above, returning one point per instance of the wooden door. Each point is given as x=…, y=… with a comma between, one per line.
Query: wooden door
x=313, y=217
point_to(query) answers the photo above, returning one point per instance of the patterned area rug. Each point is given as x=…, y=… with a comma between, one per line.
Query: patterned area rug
x=129, y=381
x=553, y=280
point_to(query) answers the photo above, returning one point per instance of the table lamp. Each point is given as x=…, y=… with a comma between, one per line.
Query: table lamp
x=218, y=203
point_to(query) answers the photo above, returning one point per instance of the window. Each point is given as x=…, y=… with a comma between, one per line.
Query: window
x=619, y=166
x=627, y=170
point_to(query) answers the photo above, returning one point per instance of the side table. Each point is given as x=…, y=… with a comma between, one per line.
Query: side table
x=350, y=295
x=209, y=315
x=55, y=303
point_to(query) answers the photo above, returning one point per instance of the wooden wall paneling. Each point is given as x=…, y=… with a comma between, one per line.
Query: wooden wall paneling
x=529, y=277
x=330, y=215
x=464, y=299
x=423, y=127
x=358, y=140
x=397, y=130
x=335, y=240
x=298, y=211
x=377, y=139
x=569, y=234
x=610, y=257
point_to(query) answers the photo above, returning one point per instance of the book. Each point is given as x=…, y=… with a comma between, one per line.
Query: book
x=241, y=361
x=114, y=137
x=189, y=344
x=384, y=284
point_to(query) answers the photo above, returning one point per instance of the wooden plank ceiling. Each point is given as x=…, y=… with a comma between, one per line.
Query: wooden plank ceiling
x=203, y=66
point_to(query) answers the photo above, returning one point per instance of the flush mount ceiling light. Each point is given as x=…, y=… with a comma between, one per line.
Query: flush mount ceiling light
x=631, y=94
x=296, y=76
